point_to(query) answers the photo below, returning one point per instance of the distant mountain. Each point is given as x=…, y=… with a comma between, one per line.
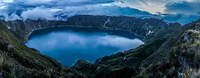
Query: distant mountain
x=150, y=28
x=17, y=60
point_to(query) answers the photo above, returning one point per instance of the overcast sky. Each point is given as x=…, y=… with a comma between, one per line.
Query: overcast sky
x=182, y=11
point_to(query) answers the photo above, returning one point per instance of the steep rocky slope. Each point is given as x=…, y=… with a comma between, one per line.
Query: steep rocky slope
x=181, y=53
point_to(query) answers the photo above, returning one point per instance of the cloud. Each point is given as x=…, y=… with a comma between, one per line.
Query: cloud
x=152, y=6
x=100, y=9
x=180, y=18
x=31, y=8
x=53, y=3
x=38, y=12
x=7, y=17
x=9, y=6
x=116, y=10
x=13, y=16
x=82, y=2
x=169, y=10
x=23, y=7
x=187, y=19
x=184, y=7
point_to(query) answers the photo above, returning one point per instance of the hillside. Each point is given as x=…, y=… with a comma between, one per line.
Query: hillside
x=149, y=28
x=17, y=60
x=181, y=52
x=122, y=65
x=177, y=56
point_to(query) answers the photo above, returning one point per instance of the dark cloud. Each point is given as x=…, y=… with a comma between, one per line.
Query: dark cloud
x=82, y=2
x=104, y=10
x=183, y=12
x=121, y=1
x=19, y=7
x=23, y=5
x=54, y=3
x=172, y=17
x=30, y=8
x=180, y=18
x=184, y=7
x=116, y=10
x=187, y=19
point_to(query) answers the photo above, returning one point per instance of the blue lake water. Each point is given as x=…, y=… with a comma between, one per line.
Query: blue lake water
x=69, y=44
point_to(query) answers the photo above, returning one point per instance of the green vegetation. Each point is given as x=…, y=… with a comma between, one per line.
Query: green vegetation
x=176, y=56
x=119, y=64
x=1, y=61
x=187, y=53
x=17, y=60
x=189, y=48
x=182, y=60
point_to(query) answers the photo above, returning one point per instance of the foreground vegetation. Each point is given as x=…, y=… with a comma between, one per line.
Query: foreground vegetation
x=17, y=60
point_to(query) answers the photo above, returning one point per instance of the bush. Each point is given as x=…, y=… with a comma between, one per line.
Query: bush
x=1, y=61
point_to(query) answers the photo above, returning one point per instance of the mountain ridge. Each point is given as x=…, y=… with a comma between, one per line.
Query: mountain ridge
x=15, y=33
x=149, y=28
x=176, y=56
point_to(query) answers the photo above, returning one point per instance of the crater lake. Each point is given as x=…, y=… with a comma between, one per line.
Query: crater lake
x=69, y=44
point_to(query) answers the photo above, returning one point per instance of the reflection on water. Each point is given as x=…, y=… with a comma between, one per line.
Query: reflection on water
x=69, y=45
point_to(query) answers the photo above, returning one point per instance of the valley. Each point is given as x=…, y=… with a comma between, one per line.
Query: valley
x=155, y=58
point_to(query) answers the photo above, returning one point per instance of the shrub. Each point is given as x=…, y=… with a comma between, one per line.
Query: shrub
x=1, y=61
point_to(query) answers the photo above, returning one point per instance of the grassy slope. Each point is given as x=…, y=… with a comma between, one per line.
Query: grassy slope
x=119, y=64
x=174, y=58
x=17, y=60
x=182, y=56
